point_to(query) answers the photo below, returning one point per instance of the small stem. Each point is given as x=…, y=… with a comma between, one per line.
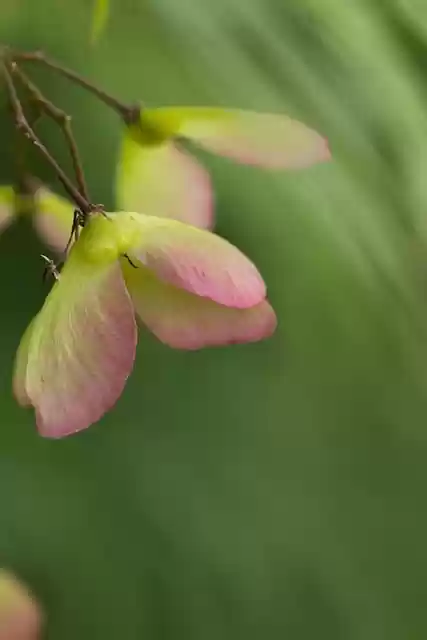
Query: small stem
x=128, y=113
x=50, y=268
x=64, y=122
x=23, y=126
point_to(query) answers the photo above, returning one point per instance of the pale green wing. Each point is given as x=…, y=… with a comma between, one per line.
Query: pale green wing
x=273, y=141
x=78, y=352
x=7, y=207
x=161, y=180
x=53, y=218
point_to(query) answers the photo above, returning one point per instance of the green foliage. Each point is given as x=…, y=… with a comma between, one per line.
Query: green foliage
x=100, y=16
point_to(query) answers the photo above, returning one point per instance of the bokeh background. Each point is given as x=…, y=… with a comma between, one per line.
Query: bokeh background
x=268, y=491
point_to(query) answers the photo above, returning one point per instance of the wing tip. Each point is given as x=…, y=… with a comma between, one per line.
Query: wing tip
x=325, y=150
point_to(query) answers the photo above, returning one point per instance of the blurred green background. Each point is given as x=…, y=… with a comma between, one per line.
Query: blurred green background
x=263, y=491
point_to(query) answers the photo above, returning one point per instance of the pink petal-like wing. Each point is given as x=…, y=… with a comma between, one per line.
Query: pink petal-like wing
x=185, y=321
x=20, y=615
x=193, y=259
x=164, y=181
x=269, y=140
x=53, y=218
x=78, y=352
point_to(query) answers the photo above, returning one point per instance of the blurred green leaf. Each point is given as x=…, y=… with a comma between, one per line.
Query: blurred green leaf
x=100, y=15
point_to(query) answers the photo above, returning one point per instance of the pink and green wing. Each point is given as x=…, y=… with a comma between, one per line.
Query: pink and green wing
x=78, y=352
x=20, y=615
x=273, y=141
x=7, y=207
x=192, y=259
x=182, y=320
x=53, y=218
x=164, y=181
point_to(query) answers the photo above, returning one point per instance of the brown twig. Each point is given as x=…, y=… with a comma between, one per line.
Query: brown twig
x=128, y=113
x=22, y=125
x=62, y=119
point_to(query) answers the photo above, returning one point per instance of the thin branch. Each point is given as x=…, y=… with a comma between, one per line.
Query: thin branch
x=23, y=126
x=64, y=122
x=128, y=113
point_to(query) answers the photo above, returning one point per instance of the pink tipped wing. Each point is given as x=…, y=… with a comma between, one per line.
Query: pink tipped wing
x=53, y=218
x=185, y=321
x=195, y=260
x=7, y=207
x=78, y=352
x=273, y=141
x=21, y=617
x=164, y=181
